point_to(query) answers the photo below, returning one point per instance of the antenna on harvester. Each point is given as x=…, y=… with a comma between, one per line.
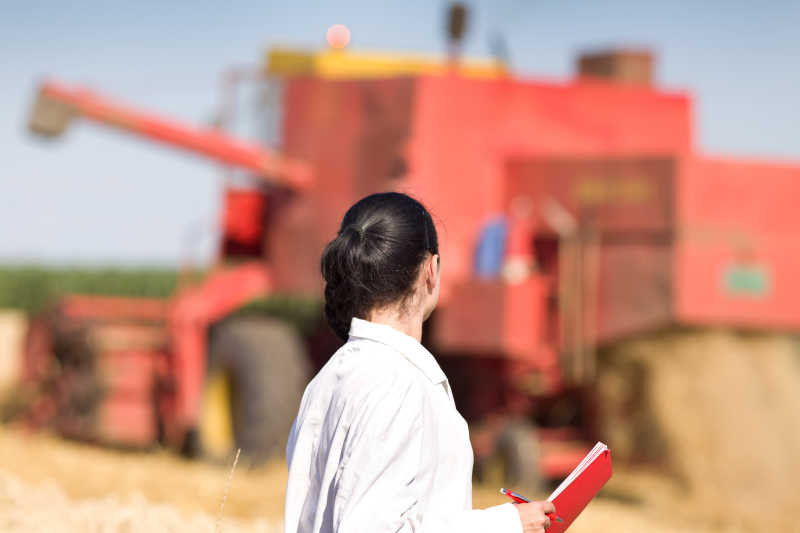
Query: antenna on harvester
x=457, y=15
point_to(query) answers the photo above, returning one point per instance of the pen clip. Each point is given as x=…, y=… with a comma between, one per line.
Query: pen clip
x=519, y=498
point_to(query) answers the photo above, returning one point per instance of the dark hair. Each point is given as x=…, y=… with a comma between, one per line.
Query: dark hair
x=376, y=256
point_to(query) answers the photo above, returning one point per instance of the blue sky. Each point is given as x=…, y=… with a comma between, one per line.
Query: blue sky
x=98, y=197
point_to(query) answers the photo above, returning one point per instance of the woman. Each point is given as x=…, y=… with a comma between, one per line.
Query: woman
x=378, y=444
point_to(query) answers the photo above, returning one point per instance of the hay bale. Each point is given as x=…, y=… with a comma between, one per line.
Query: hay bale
x=724, y=407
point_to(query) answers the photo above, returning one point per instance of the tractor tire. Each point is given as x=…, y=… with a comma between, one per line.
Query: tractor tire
x=518, y=448
x=267, y=367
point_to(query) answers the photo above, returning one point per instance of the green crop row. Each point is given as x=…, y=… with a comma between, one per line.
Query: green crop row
x=302, y=313
x=31, y=288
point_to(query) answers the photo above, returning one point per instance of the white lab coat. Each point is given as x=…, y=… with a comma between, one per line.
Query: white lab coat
x=378, y=446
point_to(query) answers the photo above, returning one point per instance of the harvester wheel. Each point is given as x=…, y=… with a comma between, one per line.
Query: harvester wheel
x=267, y=370
x=518, y=448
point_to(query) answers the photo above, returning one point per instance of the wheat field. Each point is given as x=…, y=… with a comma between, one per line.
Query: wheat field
x=48, y=484
x=726, y=406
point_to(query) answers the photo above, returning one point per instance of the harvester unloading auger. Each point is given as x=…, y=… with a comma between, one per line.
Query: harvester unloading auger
x=573, y=214
x=58, y=104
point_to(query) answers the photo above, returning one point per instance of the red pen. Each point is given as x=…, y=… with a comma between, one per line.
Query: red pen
x=519, y=498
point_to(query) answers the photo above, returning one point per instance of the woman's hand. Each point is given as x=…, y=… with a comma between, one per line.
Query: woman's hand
x=533, y=516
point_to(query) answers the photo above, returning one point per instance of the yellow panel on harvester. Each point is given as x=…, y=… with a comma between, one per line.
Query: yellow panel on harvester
x=333, y=63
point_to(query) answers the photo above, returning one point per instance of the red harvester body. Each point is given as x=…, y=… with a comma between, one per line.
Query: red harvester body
x=627, y=230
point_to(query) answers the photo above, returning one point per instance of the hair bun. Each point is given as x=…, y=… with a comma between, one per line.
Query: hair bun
x=354, y=230
x=362, y=274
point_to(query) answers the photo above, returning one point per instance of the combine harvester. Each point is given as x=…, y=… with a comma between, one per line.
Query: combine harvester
x=572, y=215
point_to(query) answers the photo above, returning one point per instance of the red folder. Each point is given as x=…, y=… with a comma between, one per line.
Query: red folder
x=578, y=489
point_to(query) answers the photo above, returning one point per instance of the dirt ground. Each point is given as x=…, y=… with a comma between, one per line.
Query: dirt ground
x=719, y=409
x=48, y=484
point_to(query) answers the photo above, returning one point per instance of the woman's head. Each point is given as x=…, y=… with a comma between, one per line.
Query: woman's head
x=378, y=259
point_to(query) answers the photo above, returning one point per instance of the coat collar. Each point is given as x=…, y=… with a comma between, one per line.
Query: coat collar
x=412, y=350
